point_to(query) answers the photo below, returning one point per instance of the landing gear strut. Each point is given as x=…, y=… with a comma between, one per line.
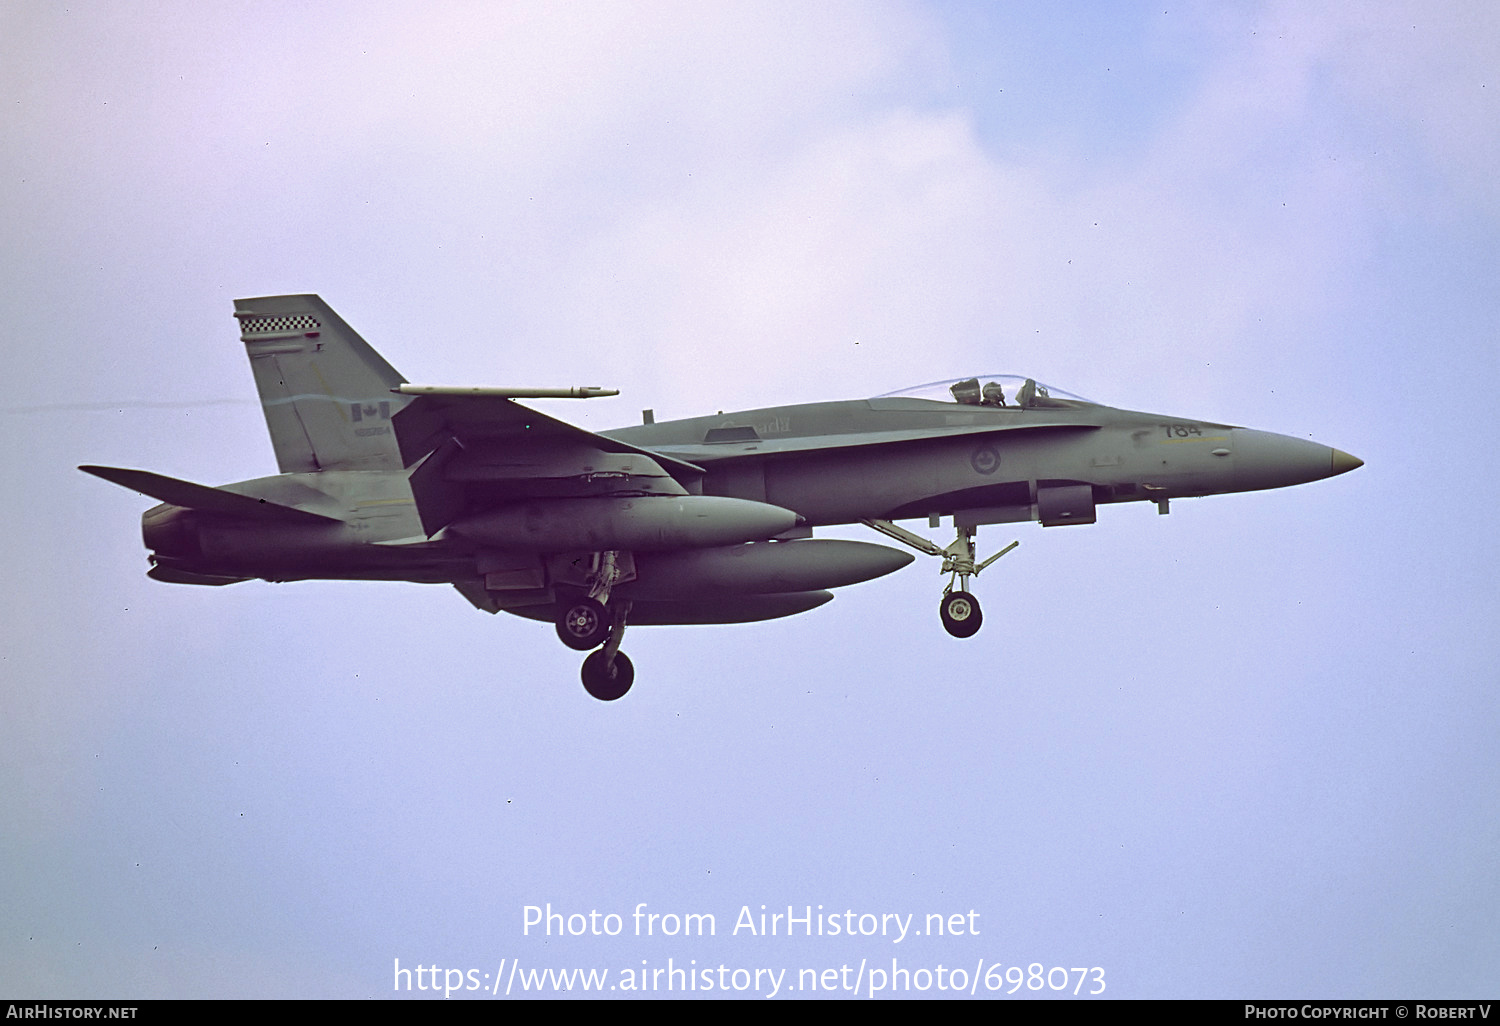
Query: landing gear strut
x=593, y=621
x=959, y=610
x=608, y=673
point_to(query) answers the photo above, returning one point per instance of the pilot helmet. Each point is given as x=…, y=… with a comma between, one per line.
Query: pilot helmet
x=966, y=391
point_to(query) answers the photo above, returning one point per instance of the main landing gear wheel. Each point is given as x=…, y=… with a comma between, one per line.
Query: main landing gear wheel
x=583, y=624
x=960, y=613
x=604, y=681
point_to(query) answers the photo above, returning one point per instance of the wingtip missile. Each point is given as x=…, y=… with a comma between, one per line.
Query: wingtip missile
x=576, y=392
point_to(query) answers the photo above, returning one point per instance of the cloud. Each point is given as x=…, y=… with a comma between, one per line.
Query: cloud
x=895, y=241
x=680, y=195
x=1421, y=78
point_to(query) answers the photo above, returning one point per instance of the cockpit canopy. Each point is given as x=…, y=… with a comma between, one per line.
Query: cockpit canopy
x=1008, y=391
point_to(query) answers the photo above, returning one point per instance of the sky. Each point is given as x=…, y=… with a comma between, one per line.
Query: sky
x=1244, y=750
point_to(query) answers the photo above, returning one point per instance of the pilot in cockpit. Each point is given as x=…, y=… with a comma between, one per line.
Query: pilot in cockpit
x=969, y=393
x=966, y=391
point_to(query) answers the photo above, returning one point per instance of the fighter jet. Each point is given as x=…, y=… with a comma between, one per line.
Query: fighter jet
x=702, y=521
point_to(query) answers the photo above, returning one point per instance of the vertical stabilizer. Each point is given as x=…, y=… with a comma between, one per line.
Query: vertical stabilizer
x=326, y=394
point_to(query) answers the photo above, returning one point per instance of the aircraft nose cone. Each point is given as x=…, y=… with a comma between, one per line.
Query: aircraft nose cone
x=1263, y=459
x=1343, y=462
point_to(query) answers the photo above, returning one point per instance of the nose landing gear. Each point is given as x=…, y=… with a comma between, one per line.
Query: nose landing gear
x=959, y=609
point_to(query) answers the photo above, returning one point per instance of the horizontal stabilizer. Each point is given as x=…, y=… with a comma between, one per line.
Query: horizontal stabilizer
x=212, y=500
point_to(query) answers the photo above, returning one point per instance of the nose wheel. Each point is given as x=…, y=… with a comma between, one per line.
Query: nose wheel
x=959, y=609
x=960, y=614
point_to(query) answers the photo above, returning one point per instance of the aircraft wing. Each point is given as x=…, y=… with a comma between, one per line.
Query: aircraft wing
x=485, y=421
x=473, y=450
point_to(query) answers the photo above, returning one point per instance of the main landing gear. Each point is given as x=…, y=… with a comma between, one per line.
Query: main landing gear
x=608, y=673
x=583, y=623
x=959, y=609
x=592, y=621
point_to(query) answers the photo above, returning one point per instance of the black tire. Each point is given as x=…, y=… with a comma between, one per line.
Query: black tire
x=961, y=615
x=583, y=624
x=598, y=682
